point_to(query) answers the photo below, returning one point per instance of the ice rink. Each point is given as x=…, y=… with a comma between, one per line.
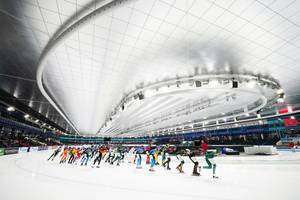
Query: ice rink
x=30, y=176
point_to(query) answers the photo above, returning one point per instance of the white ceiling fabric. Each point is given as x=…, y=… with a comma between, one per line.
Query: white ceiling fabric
x=151, y=40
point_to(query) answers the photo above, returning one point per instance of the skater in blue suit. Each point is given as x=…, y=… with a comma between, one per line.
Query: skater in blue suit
x=152, y=153
x=139, y=151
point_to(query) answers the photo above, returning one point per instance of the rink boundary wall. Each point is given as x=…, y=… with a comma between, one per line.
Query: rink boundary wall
x=17, y=150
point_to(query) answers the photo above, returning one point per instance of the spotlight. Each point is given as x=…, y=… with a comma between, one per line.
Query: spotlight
x=11, y=109
x=26, y=116
x=258, y=116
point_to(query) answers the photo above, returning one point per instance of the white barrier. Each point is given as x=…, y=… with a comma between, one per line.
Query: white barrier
x=23, y=150
x=33, y=149
x=268, y=150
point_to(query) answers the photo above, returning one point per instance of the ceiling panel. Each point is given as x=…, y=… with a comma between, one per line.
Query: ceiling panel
x=144, y=42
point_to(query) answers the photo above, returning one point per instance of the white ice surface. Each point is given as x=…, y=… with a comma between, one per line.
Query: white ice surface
x=30, y=177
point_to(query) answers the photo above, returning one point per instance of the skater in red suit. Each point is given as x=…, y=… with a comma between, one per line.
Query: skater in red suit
x=204, y=147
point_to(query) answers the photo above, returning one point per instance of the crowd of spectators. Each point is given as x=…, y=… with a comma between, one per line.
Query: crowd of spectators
x=19, y=139
x=255, y=139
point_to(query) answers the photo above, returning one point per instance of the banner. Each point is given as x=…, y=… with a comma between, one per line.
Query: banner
x=291, y=122
x=33, y=149
x=2, y=151
x=23, y=149
x=11, y=150
x=41, y=148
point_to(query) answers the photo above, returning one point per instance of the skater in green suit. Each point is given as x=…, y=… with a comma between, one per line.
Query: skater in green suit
x=209, y=155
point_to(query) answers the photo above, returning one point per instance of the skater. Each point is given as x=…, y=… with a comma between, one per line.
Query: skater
x=148, y=149
x=163, y=155
x=55, y=153
x=73, y=153
x=95, y=150
x=139, y=151
x=204, y=147
x=157, y=151
x=110, y=156
x=167, y=161
x=147, y=158
x=180, y=166
x=98, y=158
x=117, y=156
x=210, y=164
x=196, y=163
x=153, y=161
x=78, y=155
x=64, y=155
x=86, y=154
x=130, y=155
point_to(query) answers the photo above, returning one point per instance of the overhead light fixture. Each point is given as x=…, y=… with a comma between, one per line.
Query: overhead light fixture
x=293, y=117
x=36, y=121
x=26, y=116
x=280, y=91
x=11, y=109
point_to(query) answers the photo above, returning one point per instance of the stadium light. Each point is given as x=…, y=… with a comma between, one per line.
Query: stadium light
x=279, y=91
x=11, y=109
